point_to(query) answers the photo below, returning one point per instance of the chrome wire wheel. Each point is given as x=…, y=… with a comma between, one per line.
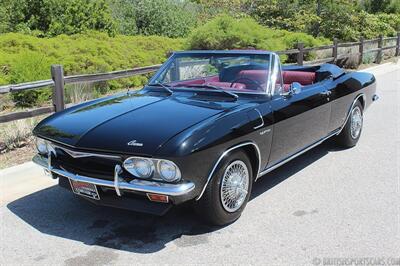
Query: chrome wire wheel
x=356, y=122
x=234, y=186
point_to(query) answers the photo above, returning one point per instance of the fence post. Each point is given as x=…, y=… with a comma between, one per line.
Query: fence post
x=300, y=55
x=398, y=44
x=380, y=54
x=361, y=51
x=335, y=50
x=57, y=74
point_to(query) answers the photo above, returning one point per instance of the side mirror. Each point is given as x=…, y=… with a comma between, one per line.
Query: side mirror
x=295, y=88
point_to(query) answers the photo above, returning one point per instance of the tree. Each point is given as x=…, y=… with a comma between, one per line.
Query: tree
x=343, y=19
x=172, y=18
x=381, y=6
x=53, y=17
x=393, y=7
x=293, y=15
x=212, y=8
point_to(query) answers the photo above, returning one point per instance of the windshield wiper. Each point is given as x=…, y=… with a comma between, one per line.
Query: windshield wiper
x=215, y=88
x=162, y=85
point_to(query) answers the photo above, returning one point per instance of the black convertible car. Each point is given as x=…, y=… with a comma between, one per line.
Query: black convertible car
x=204, y=129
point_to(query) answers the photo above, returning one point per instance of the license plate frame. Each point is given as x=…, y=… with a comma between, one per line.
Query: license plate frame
x=84, y=189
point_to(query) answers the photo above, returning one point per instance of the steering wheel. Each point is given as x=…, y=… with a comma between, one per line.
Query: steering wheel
x=251, y=81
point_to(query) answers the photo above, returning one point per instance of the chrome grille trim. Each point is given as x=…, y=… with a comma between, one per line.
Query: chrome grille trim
x=80, y=154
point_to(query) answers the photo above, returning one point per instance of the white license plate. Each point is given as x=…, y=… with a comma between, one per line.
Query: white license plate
x=85, y=189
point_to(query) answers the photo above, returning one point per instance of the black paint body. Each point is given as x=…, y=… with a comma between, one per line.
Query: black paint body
x=194, y=130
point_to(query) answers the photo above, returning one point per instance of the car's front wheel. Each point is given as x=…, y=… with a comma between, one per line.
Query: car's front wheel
x=228, y=191
x=352, y=130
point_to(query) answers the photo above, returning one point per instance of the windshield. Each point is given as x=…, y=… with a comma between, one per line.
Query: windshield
x=229, y=72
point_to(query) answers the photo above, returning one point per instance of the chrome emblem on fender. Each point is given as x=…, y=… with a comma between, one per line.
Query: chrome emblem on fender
x=135, y=143
x=265, y=131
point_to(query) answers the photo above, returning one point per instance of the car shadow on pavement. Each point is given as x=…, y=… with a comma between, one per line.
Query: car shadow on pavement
x=280, y=174
x=57, y=212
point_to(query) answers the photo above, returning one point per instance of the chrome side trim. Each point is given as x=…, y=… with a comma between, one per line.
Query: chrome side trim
x=349, y=112
x=262, y=120
x=273, y=167
x=134, y=185
x=223, y=155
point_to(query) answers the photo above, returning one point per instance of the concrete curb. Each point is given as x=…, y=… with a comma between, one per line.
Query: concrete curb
x=380, y=67
x=377, y=67
x=17, y=168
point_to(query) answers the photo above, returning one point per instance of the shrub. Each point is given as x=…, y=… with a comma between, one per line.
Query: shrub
x=284, y=14
x=391, y=19
x=26, y=58
x=225, y=32
x=372, y=26
x=30, y=66
x=353, y=26
x=16, y=134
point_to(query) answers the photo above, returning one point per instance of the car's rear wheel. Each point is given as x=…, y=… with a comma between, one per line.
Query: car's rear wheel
x=352, y=130
x=228, y=191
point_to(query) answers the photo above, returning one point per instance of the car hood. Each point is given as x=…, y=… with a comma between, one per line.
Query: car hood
x=129, y=123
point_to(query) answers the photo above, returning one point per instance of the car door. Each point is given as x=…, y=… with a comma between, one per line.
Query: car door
x=300, y=119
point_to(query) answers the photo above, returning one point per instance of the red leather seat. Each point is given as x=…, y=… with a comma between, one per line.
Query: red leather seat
x=187, y=82
x=227, y=85
x=304, y=78
x=259, y=77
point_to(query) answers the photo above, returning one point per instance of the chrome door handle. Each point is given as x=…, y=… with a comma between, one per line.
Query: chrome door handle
x=326, y=93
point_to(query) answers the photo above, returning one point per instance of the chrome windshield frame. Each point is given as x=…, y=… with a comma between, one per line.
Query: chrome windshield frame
x=273, y=75
x=170, y=61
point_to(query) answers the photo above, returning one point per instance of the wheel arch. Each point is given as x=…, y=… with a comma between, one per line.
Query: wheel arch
x=359, y=98
x=254, y=156
x=252, y=151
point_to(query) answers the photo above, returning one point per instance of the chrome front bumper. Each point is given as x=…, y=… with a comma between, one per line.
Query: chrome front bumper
x=119, y=184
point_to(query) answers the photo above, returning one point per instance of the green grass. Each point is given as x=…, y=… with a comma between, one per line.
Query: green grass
x=25, y=58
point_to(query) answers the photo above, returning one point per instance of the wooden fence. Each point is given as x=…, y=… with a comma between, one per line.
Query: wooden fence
x=59, y=80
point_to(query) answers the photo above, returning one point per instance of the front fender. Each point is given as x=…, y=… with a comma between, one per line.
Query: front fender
x=198, y=150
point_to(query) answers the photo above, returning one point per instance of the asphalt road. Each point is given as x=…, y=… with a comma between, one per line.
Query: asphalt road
x=325, y=204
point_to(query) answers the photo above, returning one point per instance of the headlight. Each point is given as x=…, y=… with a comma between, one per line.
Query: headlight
x=145, y=168
x=168, y=171
x=42, y=146
x=139, y=167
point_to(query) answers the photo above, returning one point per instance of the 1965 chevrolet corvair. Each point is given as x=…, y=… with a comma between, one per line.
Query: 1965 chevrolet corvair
x=204, y=129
